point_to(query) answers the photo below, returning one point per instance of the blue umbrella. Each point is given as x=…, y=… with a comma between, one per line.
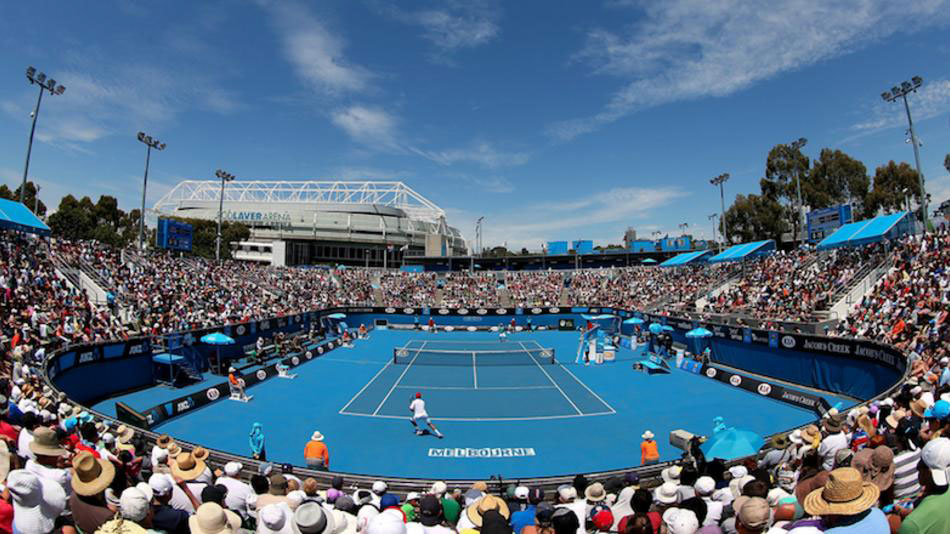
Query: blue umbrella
x=634, y=320
x=699, y=333
x=217, y=338
x=336, y=316
x=655, y=328
x=732, y=443
x=667, y=328
x=601, y=317
x=648, y=260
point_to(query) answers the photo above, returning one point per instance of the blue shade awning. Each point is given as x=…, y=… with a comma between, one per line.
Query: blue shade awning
x=336, y=316
x=869, y=231
x=745, y=250
x=648, y=260
x=634, y=320
x=217, y=338
x=699, y=332
x=685, y=258
x=16, y=216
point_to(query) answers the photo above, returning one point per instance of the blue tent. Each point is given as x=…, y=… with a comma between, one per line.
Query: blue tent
x=655, y=328
x=699, y=333
x=634, y=320
x=217, y=338
x=16, y=216
x=732, y=443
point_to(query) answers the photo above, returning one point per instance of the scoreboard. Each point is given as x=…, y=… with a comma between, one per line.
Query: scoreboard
x=822, y=223
x=174, y=235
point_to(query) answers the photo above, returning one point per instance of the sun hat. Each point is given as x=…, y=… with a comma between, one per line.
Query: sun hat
x=46, y=443
x=438, y=488
x=345, y=503
x=486, y=503
x=647, y=435
x=37, y=502
x=311, y=518
x=133, y=504
x=317, y=436
x=810, y=434
x=671, y=474
x=387, y=522
x=210, y=518
x=91, y=475
x=124, y=433
x=936, y=456
x=833, y=424
x=272, y=518
x=893, y=420
x=163, y=441
x=233, y=469
x=680, y=521
x=666, y=493
x=780, y=441
x=738, y=471
x=187, y=466
x=844, y=457
x=173, y=450
x=595, y=492
x=200, y=453
x=845, y=493
x=918, y=407
x=754, y=513
x=120, y=526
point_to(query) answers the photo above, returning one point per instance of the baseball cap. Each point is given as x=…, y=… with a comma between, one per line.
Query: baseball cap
x=631, y=478
x=133, y=504
x=233, y=469
x=601, y=516
x=940, y=410
x=379, y=487
x=430, y=511
x=680, y=521
x=161, y=484
x=521, y=493
x=388, y=501
x=936, y=456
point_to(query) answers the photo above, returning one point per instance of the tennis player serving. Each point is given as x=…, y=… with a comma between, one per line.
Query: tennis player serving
x=420, y=417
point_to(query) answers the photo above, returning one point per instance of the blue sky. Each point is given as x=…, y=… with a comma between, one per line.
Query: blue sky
x=554, y=120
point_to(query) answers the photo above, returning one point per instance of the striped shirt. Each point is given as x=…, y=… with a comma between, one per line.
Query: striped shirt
x=905, y=474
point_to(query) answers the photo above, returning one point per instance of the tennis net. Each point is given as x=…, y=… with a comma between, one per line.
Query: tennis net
x=469, y=358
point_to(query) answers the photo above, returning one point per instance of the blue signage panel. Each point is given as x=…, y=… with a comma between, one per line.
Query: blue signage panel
x=174, y=235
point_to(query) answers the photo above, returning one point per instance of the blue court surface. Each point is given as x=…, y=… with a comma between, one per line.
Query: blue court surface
x=504, y=407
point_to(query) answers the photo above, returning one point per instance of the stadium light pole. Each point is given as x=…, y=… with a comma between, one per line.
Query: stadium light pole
x=150, y=143
x=46, y=84
x=800, y=217
x=36, y=201
x=719, y=180
x=901, y=92
x=712, y=217
x=225, y=177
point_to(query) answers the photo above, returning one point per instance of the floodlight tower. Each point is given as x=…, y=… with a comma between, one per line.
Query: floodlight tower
x=719, y=180
x=800, y=217
x=46, y=84
x=150, y=143
x=225, y=177
x=901, y=92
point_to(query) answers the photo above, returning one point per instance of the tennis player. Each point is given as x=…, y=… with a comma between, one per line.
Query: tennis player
x=502, y=334
x=420, y=417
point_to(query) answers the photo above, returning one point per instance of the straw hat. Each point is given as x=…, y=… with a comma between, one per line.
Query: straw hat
x=918, y=407
x=845, y=493
x=894, y=419
x=486, y=503
x=163, y=441
x=124, y=434
x=810, y=434
x=595, y=492
x=173, y=450
x=210, y=518
x=45, y=443
x=780, y=441
x=200, y=453
x=91, y=475
x=187, y=467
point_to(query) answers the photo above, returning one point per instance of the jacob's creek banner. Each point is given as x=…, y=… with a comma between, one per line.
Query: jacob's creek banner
x=774, y=391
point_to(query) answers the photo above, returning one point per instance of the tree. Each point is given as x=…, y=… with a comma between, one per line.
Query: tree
x=785, y=167
x=890, y=182
x=74, y=219
x=835, y=178
x=29, y=199
x=754, y=217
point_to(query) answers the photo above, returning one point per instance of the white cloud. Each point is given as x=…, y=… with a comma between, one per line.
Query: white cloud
x=480, y=152
x=370, y=126
x=686, y=49
x=454, y=25
x=315, y=53
x=494, y=184
x=932, y=99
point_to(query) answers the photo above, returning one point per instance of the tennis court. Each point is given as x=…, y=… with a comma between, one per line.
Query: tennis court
x=473, y=380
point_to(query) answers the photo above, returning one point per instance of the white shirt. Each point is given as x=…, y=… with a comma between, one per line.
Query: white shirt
x=23, y=444
x=829, y=446
x=238, y=493
x=54, y=474
x=418, y=407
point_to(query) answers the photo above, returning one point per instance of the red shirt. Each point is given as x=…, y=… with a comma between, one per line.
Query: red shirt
x=6, y=516
x=10, y=431
x=83, y=447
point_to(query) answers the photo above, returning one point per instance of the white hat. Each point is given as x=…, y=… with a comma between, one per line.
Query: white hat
x=936, y=456
x=671, y=473
x=133, y=504
x=796, y=436
x=379, y=487
x=739, y=471
x=231, y=369
x=680, y=521
x=37, y=502
x=521, y=493
x=160, y=483
x=438, y=488
x=311, y=518
x=704, y=486
x=564, y=492
x=273, y=518
x=316, y=436
x=665, y=493
x=211, y=518
x=412, y=495
x=389, y=521
x=233, y=469
x=944, y=361
x=647, y=435
x=146, y=490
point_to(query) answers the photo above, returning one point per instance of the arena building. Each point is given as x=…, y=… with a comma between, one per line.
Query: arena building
x=371, y=224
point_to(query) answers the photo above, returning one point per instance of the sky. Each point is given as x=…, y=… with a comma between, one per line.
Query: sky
x=554, y=120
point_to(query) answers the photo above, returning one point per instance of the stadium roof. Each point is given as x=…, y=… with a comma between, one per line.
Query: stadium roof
x=16, y=216
x=745, y=250
x=868, y=231
x=686, y=257
x=391, y=194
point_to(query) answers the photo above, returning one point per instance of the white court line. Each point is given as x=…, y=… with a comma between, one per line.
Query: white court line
x=579, y=412
x=465, y=388
x=581, y=382
x=474, y=371
x=371, y=380
x=404, y=371
x=483, y=419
